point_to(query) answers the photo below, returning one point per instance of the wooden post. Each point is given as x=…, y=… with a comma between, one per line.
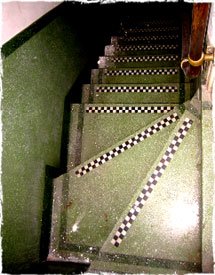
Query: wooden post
x=196, y=44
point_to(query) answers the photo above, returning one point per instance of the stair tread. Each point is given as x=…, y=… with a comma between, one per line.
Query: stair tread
x=101, y=130
x=106, y=265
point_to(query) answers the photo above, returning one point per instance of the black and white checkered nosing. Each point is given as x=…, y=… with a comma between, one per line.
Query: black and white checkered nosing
x=126, y=145
x=163, y=71
x=149, y=187
x=151, y=29
x=146, y=58
x=148, y=38
x=147, y=47
x=137, y=89
x=128, y=109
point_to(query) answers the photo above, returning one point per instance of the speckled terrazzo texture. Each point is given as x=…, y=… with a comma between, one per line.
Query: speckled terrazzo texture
x=93, y=198
x=207, y=187
x=99, y=133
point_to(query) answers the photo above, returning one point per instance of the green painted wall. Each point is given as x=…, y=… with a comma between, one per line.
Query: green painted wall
x=36, y=78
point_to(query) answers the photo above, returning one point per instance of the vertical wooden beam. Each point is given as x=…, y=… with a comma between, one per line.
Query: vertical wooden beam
x=199, y=25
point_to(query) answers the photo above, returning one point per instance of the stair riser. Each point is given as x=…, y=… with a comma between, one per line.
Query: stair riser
x=147, y=39
x=139, y=61
x=154, y=30
x=75, y=135
x=111, y=50
x=108, y=63
x=94, y=94
x=100, y=76
x=148, y=24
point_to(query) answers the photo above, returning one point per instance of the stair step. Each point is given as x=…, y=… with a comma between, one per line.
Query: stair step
x=138, y=61
x=145, y=39
x=148, y=23
x=171, y=212
x=59, y=207
x=135, y=75
x=105, y=125
x=145, y=265
x=86, y=208
x=116, y=50
x=136, y=93
x=155, y=30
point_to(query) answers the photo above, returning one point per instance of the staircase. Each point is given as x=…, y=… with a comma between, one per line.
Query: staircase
x=130, y=200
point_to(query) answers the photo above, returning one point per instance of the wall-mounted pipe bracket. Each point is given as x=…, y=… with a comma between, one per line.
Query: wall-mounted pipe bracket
x=208, y=56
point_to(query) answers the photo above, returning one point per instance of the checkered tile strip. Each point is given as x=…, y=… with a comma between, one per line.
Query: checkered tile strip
x=147, y=47
x=137, y=89
x=149, y=24
x=125, y=59
x=126, y=145
x=149, y=38
x=164, y=71
x=152, y=29
x=147, y=190
x=129, y=109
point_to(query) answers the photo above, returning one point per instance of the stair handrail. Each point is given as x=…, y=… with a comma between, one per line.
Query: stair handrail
x=193, y=55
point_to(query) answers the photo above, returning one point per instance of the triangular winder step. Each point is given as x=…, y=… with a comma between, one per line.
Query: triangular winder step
x=130, y=200
x=103, y=126
x=109, y=173
x=89, y=219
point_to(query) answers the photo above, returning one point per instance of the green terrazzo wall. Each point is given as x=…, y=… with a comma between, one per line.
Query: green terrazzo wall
x=37, y=77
